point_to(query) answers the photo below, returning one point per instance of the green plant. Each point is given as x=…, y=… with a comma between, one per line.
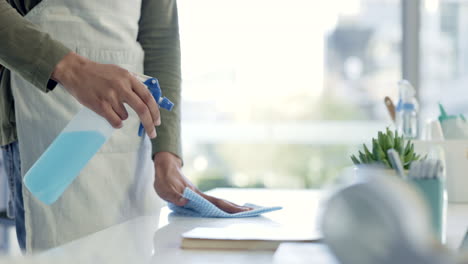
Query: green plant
x=380, y=146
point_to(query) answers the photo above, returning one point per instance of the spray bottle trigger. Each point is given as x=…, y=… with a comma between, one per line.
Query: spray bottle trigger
x=153, y=85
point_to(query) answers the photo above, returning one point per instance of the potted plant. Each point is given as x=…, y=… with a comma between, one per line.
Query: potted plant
x=380, y=146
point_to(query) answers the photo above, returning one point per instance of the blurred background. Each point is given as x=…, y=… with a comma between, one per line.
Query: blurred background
x=278, y=94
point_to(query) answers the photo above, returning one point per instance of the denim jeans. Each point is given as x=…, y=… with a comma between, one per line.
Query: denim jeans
x=11, y=160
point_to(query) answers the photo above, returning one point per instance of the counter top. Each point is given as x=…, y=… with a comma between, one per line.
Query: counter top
x=156, y=239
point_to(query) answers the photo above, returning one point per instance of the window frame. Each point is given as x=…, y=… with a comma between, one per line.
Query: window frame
x=411, y=43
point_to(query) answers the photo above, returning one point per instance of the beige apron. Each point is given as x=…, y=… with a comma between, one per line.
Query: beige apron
x=117, y=184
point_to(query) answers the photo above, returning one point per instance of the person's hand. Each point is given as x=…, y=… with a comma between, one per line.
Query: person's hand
x=104, y=88
x=170, y=184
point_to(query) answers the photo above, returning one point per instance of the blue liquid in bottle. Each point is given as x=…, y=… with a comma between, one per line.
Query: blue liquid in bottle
x=63, y=160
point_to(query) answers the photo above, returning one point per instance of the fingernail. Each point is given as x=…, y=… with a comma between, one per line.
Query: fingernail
x=182, y=201
x=158, y=123
x=153, y=134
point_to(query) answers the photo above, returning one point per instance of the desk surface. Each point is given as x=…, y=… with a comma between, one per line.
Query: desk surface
x=157, y=239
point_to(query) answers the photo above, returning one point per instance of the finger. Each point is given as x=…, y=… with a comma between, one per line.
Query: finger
x=145, y=95
x=230, y=207
x=120, y=110
x=142, y=111
x=175, y=198
x=224, y=205
x=181, y=201
x=106, y=111
x=243, y=208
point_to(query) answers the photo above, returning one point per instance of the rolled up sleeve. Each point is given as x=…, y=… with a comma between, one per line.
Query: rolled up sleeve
x=26, y=50
x=159, y=37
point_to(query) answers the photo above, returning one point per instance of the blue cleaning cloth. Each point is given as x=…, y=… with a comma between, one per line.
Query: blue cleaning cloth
x=200, y=207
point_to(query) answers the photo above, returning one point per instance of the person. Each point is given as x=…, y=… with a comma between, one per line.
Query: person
x=61, y=54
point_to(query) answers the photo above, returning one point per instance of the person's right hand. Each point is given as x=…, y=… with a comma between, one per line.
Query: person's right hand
x=104, y=88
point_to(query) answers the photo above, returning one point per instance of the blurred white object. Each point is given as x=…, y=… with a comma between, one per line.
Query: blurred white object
x=380, y=219
x=433, y=130
x=456, y=129
x=396, y=162
x=426, y=169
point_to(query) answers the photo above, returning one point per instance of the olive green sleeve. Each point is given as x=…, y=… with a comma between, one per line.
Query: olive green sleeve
x=159, y=37
x=25, y=50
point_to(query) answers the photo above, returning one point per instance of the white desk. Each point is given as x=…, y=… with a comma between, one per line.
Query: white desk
x=156, y=239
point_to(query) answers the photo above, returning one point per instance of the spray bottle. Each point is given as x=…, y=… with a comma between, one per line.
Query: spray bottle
x=407, y=111
x=83, y=136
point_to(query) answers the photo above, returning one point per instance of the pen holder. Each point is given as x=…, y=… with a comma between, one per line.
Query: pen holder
x=433, y=191
x=456, y=162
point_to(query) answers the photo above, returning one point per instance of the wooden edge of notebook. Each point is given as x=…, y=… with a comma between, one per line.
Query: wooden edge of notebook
x=228, y=244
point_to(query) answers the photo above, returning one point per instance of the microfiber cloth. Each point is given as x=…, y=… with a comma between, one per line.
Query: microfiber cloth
x=198, y=206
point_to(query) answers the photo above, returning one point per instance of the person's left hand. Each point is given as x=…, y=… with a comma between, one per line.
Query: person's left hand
x=170, y=183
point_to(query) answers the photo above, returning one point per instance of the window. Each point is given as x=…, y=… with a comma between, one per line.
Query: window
x=444, y=60
x=280, y=93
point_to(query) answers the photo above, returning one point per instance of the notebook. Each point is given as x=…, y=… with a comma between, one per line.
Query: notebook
x=245, y=237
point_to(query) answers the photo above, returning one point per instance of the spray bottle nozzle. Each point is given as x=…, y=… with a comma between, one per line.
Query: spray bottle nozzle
x=407, y=91
x=153, y=85
x=155, y=90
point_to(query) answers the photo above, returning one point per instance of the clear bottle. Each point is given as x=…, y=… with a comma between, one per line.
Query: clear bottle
x=407, y=111
x=51, y=174
x=84, y=135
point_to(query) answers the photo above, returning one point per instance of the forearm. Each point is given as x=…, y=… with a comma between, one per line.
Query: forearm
x=159, y=37
x=26, y=50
